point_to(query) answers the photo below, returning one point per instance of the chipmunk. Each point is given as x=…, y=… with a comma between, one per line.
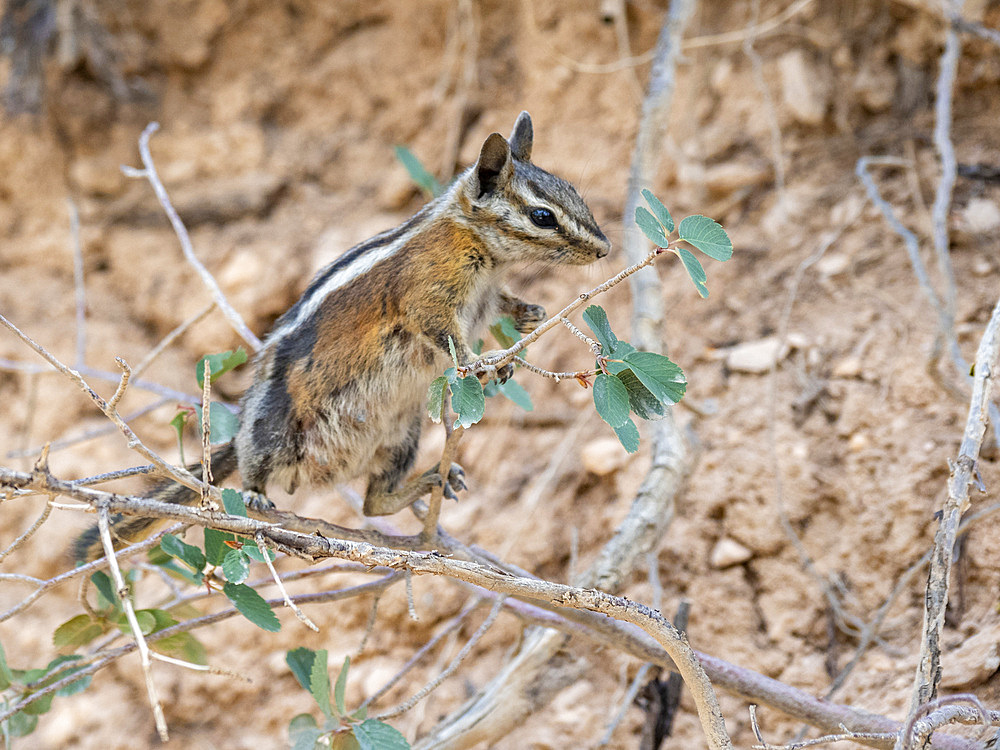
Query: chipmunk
x=341, y=381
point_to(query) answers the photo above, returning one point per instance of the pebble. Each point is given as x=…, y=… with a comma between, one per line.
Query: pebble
x=981, y=216
x=857, y=442
x=728, y=552
x=755, y=356
x=603, y=456
x=731, y=176
x=847, y=368
x=973, y=662
x=805, y=91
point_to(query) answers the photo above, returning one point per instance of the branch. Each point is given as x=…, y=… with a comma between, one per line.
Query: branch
x=179, y=475
x=150, y=174
x=963, y=473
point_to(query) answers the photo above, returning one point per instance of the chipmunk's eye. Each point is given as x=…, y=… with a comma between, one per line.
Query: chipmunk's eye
x=542, y=217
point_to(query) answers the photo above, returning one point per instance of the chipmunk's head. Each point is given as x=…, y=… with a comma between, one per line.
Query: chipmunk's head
x=529, y=213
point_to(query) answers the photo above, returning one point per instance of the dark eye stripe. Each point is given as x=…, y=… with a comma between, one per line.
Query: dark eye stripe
x=543, y=218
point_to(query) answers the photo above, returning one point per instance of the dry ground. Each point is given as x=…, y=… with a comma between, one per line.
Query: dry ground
x=278, y=121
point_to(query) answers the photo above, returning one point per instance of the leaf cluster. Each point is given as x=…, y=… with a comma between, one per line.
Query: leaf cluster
x=630, y=381
x=341, y=729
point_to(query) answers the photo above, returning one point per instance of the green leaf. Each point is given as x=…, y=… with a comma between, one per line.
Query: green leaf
x=377, y=735
x=628, y=436
x=181, y=646
x=102, y=582
x=451, y=350
x=147, y=622
x=615, y=364
x=6, y=676
x=435, y=397
x=236, y=566
x=186, y=553
x=163, y=618
x=178, y=422
x=663, y=378
x=319, y=682
x=706, y=235
x=232, y=501
x=300, y=661
x=223, y=423
x=338, y=689
x=75, y=632
x=467, y=400
x=611, y=399
x=516, y=393
x=418, y=173
x=21, y=724
x=643, y=403
x=40, y=706
x=215, y=545
x=694, y=269
x=504, y=332
x=659, y=210
x=77, y=686
x=344, y=740
x=219, y=364
x=252, y=606
x=303, y=732
x=650, y=227
x=254, y=552
x=597, y=320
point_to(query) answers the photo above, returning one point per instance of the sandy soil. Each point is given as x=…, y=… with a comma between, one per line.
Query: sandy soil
x=278, y=122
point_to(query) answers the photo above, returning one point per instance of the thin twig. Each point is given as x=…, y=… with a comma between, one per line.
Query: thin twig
x=78, y=286
x=502, y=357
x=265, y=549
x=121, y=589
x=444, y=674
x=448, y=628
x=11, y=365
x=171, y=338
x=30, y=532
x=96, y=432
x=557, y=376
x=179, y=475
x=962, y=474
x=149, y=173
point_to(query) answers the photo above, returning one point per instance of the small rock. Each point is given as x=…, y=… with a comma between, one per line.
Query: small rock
x=981, y=216
x=833, y=264
x=755, y=356
x=858, y=442
x=805, y=90
x=603, y=456
x=847, y=368
x=797, y=340
x=730, y=177
x=727, y=553
x=980, y=266
x=973, y=662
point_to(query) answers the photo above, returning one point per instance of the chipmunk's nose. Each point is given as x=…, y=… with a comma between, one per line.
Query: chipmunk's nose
x=605, y=246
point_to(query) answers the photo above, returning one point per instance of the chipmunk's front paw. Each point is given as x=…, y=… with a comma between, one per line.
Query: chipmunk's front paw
x=528, y=317
x=257, y=501
x=501, y=373
x=454, y=483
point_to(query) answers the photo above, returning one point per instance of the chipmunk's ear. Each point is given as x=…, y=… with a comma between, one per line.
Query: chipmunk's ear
x=494, y=168
x=521, y=137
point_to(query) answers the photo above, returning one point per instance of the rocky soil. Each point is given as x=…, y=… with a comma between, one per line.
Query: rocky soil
x=808, y=365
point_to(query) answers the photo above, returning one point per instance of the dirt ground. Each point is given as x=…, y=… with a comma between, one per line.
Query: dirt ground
x=278, y=122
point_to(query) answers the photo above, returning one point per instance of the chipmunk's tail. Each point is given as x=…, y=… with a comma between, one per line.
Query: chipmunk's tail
x=127, y=530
